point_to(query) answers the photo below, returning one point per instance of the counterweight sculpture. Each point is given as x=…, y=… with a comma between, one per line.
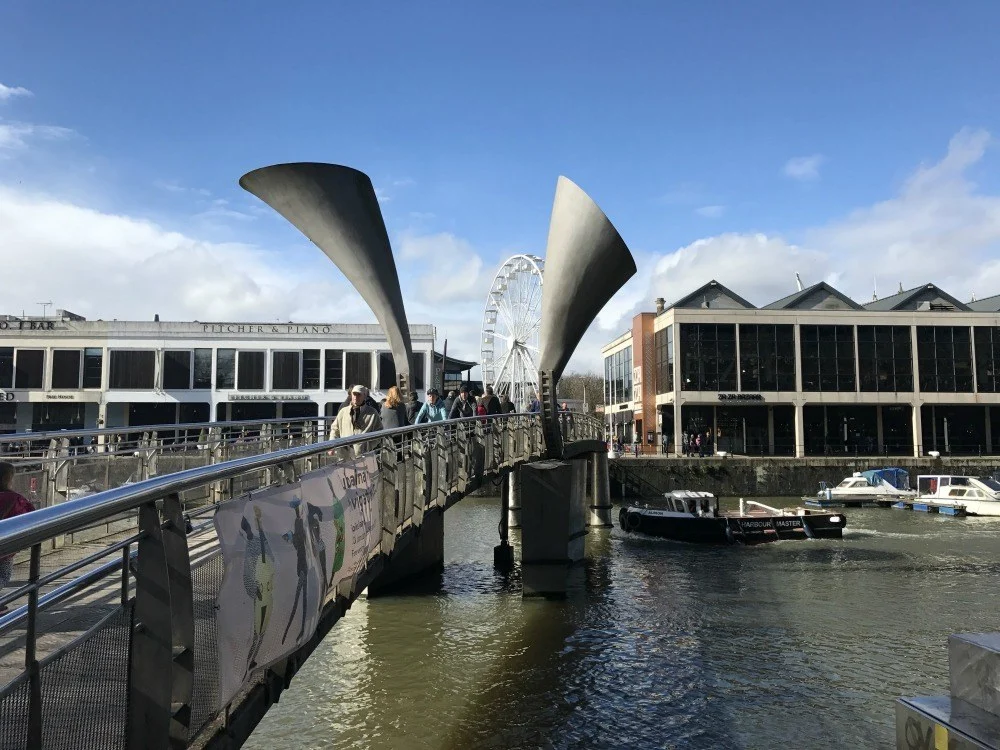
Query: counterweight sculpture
x=336, y=208
x=586, y=262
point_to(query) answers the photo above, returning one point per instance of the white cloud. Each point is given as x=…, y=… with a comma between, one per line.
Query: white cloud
x=111, y=266
x=15, y=135
x=711, y=212
x=9, y=92
x=173, y=186
x=804, y=167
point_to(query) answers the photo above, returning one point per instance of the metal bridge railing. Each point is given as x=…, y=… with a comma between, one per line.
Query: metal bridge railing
x=121, y=648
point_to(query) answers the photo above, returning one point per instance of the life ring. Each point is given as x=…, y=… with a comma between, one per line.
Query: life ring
x=633, y=521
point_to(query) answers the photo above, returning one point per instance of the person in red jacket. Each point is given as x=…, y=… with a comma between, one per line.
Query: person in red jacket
x=11, y=504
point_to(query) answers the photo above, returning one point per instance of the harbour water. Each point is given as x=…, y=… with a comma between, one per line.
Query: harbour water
x=787, y=645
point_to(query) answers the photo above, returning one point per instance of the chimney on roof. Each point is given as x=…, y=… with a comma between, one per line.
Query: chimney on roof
x=660, y=305
x=900, y=287
x=156, y=318
x=798, y=281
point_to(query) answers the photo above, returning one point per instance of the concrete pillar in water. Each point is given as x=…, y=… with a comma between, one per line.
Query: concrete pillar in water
x=513, y=481
x=422, y=555
x=918, y=432
x=553, y=525
x=598, y=490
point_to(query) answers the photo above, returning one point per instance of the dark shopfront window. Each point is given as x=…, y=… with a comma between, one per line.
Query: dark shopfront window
x=953, y=430
x=250, y=371
x=66, y=369
x=225, y=368
x=987, y=359
x=28, y=368
x=885, y=358
x=177, y=370
x=708, y=357
x=358, y=369
x=133, y=369
x=285, y=374
x=944, y=359
x=840, y=430
x=618, y=376
x=334, y=378
x=663, y=345
x=767, y=358
x=827, y=358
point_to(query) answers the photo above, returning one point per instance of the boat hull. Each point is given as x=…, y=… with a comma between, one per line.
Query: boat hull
x=732, y=529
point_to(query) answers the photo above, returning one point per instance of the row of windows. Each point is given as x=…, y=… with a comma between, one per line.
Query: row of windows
x=186, y=369
x=880, y=360
x=618, y=377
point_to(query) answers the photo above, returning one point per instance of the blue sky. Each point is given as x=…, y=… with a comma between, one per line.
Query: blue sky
x=743, y=141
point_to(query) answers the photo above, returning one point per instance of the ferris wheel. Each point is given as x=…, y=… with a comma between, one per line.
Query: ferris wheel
x=510, y=329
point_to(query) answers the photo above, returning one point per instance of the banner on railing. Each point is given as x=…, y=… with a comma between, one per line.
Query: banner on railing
x=283, y=549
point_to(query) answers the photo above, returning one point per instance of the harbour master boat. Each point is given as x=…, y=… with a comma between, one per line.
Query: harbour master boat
x=879, y=486
x=689, y=516
x=979, y=495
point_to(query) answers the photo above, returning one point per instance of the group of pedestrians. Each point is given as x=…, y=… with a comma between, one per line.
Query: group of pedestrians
x=361, y=414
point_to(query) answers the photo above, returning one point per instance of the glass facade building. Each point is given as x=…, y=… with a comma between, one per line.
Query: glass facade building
x=817, y=373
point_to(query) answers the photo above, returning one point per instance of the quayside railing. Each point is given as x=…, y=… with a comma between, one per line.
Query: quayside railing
x=144, y=643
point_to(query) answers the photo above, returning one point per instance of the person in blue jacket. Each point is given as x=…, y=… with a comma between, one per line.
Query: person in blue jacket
x=433, y=409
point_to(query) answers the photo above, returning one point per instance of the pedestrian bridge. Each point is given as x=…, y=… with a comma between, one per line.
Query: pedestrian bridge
x=185, y=629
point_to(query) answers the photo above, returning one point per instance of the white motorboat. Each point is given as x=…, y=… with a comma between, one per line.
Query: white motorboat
x=979, y=495
x=886, y=485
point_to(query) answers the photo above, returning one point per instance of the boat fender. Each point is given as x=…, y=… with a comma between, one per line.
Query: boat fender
x=634, y=521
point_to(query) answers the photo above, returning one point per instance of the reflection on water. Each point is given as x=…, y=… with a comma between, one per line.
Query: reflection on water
x=794, y=644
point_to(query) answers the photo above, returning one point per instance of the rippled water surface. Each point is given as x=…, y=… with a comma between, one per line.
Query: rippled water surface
x=793, y=644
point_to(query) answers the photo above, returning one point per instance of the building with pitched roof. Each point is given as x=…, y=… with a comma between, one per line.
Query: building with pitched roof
x=813, y=373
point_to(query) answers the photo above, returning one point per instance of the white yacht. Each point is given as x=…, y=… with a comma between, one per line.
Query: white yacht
x=888, y=484
x=979, y=495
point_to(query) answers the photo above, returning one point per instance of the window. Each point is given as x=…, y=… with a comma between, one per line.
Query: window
x=202, y=369
x=284, y=370
x=663, y=345
x=66, y=369
x=29, y=365
x=177, y=369
x=987, y=359
x=944, y=359
x=93, y=367
x=708, y=357
x=386, y=371
x=250, y=371
x=885, y=359
x=827, y=358
x=334, y=377
x=618, y=376
x=225, y=368
x=767, y=357
x=133, y=369
x=418, y=364
x=359, y=369
x=6, y=367
x=607, y=380
x=310, y=369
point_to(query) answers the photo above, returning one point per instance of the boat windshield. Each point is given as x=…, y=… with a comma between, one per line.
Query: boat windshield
x=990, y=482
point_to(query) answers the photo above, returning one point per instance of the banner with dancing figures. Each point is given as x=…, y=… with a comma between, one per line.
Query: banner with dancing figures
x=283, y=549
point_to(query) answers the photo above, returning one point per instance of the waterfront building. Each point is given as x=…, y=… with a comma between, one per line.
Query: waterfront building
x=66, y=372
x=814, y=373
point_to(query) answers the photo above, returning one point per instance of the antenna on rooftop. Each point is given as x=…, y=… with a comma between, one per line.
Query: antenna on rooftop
x=900, y=287
x=798, y=281
x=973, y=297
x=45, y=306
x=874, y=288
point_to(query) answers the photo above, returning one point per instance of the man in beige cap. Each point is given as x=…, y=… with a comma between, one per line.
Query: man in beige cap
x=356, y=418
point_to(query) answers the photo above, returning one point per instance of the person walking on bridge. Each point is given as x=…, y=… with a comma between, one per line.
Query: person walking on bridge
x=433, y=409
x=11, y=504
x=464, y=406
x=356, y=418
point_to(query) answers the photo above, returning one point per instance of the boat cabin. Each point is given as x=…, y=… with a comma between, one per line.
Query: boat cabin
x=951, y=486
x=702, y=504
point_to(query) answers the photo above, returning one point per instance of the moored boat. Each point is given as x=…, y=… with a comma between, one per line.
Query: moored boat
x=980, y=496
x=876, y=486
x=689, y=516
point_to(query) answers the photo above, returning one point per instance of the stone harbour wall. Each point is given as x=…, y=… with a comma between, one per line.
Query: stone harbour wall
x=779, y=477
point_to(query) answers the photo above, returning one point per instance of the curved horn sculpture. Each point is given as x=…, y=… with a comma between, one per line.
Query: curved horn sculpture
x=586, y=262
x=335, y=207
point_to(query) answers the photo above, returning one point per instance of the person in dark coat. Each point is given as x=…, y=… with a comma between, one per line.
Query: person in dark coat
x=464, y=406
x=412, y=408
x=506, y=405
x=449, y=402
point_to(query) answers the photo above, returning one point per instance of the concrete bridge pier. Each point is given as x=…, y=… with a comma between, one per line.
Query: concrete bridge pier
x=553, y=525
x=598, y=491
x=512, y=489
